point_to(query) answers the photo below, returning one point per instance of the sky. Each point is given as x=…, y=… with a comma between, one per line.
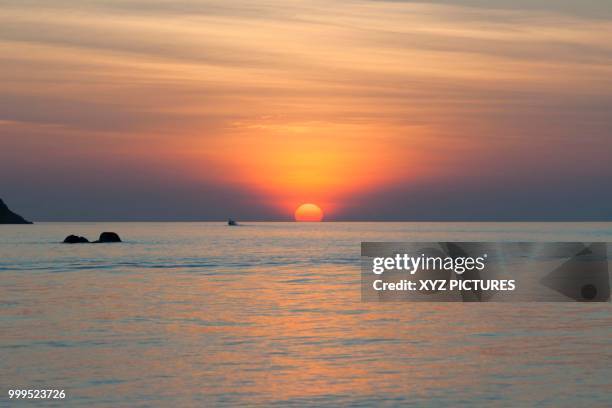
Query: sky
x=373, y=110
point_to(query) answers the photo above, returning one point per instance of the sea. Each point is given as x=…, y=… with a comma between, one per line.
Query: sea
x=270, y=314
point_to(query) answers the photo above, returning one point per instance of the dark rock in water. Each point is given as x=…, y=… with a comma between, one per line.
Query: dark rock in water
x=9, y=217
x=107, y=237
x=75, y=239
x=231, y=222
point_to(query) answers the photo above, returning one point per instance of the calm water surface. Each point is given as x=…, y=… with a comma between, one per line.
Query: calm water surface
x=200, y=314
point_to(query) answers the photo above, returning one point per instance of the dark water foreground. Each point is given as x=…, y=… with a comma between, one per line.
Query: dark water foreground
x=270, y=314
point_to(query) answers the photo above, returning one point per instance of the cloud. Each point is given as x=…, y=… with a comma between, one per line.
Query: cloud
x=598, y=9
x=265, y=94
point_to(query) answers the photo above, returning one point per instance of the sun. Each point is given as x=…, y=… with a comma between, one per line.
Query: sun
x=309, y=212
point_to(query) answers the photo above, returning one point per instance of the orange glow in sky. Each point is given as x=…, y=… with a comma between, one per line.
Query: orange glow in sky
x=322, y=162
x=283, y=103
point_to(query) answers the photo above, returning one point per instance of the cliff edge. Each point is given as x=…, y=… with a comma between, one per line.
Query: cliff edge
x=9, y=217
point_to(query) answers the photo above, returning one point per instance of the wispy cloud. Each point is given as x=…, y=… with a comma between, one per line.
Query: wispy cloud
x=369, y=86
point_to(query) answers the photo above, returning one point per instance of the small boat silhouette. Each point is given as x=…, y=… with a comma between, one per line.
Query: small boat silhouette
x=231, y=222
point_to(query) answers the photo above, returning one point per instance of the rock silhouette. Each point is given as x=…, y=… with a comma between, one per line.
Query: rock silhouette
x=9, y=217
x=107, y=237
x=75, y=239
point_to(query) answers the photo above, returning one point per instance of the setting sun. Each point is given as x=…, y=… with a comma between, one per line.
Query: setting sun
x=309, y=212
